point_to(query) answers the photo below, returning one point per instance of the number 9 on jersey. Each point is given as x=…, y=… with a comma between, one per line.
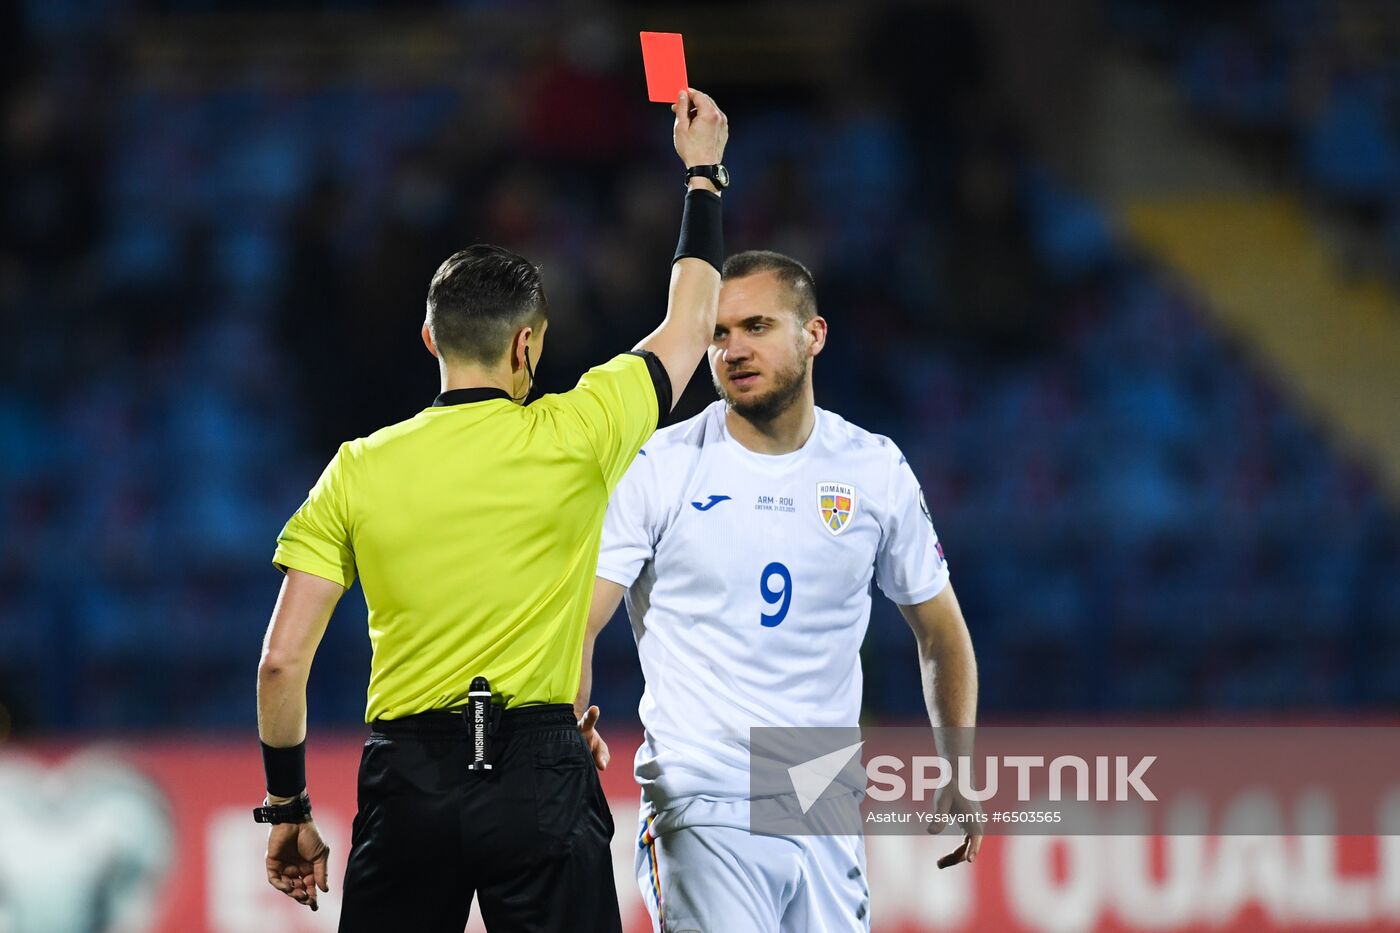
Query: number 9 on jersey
x=774, y=597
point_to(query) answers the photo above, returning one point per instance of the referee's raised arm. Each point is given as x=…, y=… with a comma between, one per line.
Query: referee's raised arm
x=680, y=341
x=610, y=406
x=473, y=527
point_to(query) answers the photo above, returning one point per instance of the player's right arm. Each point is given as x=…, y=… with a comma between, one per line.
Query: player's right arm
x=629, y=541
x=606, y=597
x=700, y=133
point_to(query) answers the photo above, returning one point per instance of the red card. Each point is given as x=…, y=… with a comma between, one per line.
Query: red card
x=664, y=58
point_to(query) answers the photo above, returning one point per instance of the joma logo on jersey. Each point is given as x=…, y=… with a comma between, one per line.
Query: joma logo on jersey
x=714, y=501
x=836, y=504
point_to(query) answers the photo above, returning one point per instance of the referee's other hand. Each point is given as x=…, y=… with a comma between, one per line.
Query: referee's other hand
x=296, y=861
x=587, y=726
x=701, y=129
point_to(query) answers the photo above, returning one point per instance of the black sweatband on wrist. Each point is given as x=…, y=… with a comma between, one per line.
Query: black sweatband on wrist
x=285, y=769
x=702, y=228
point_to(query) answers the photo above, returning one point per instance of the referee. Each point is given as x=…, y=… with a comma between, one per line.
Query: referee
x=474, y=529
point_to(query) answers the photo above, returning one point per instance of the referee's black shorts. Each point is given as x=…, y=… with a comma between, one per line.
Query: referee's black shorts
x=529, y=838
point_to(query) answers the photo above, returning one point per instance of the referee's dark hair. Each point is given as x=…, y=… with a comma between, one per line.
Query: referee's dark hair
x=479, y=297
x=794, y=276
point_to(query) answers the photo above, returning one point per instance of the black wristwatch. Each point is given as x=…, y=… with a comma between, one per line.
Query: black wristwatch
x=717, y=174
x=298, y=811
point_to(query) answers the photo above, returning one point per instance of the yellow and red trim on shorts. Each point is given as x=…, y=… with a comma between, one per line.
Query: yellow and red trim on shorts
x=647, y=841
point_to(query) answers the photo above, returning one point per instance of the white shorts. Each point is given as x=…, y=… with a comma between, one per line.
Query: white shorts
x=702, y=873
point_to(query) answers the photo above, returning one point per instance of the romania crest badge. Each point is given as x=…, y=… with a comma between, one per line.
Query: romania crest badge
x=836, y=504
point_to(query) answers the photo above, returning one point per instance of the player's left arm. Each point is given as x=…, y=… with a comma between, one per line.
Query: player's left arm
x=946, y=659
x=948, y=669
x=297, y=856
x=913, y=572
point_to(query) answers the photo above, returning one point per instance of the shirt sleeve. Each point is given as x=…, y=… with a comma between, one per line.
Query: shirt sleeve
x=316, y=539
x=909, y=566
x=616, y=407
x=628, y=530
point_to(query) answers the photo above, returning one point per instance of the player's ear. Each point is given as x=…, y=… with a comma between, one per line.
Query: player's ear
x=816, y=329
x=428, y=340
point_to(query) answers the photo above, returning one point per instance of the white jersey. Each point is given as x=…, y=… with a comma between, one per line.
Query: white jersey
x=748, y=583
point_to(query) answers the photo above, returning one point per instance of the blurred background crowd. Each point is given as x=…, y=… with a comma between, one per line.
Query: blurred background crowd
x=218, y=222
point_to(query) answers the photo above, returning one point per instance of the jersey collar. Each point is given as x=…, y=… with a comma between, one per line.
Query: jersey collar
x=463, y=396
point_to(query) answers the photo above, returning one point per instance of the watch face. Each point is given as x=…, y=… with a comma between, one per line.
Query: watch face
x=721, y=176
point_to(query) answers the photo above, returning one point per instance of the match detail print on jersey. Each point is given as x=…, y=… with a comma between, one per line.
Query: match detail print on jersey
x=836, y=504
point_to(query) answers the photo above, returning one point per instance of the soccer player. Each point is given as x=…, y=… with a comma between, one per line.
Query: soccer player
x=745, y=539
x=474, y=527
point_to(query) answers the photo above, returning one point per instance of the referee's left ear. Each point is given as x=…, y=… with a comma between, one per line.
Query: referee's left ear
x=428, y=341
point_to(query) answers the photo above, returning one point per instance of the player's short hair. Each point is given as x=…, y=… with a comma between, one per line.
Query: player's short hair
x=793, y=275
x=478, y=298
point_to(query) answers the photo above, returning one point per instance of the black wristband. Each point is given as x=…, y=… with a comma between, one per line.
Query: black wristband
x=285, y=769
x=702, y=228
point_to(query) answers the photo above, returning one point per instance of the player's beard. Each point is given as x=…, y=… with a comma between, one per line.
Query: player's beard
x=788, y=384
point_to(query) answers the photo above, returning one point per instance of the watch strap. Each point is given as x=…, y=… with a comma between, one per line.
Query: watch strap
x=298, y=811
x=712, y=172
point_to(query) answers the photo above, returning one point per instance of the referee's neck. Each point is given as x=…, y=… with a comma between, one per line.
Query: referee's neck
x=459, y=376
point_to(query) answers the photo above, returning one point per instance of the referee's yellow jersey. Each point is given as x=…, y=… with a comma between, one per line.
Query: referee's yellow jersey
x=474, y=527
